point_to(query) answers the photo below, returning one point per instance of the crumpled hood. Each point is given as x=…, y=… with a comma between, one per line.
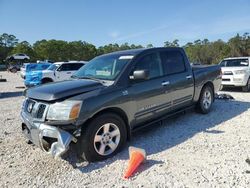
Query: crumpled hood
x=59, y=90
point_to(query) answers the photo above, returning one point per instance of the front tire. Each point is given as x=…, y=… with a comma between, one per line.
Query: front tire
x=13, y=70
x=103, y=137
x=206, y=100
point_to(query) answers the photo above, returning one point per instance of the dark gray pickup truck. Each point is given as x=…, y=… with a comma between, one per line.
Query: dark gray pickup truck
x=113, y=95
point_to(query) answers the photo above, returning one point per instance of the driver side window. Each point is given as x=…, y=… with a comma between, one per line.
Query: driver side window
x=152, y=63
x=64, y=67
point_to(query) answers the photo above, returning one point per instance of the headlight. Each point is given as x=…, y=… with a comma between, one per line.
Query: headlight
x=240, y=72
x=66, y=110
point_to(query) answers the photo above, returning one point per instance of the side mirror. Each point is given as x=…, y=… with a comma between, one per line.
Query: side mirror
x=140, y=75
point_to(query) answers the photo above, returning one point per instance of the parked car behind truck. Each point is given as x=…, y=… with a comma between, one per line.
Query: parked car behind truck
x=30, y=68
x=236, y=72
x=58, y=71
x=113, y=95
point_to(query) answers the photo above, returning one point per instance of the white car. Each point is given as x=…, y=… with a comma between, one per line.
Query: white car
x=236, y=72
x=58, y=71
x=18, y=57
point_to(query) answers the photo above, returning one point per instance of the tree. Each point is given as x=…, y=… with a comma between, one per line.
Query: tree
x=55, y=50
x=175, y=43
x=202, y=51
x=7, y=42
x=150, y=46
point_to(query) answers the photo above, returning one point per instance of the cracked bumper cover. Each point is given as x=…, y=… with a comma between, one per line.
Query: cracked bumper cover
x=36, y=131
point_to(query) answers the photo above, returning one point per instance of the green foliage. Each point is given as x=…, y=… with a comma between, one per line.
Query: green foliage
x=206, y=52
x=23, y=47
x=175, y=43
x=7, y=43
x=202, y=51
x=149, y=46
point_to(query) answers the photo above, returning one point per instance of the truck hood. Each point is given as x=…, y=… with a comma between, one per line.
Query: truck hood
x=64, y=89
x=47, y=72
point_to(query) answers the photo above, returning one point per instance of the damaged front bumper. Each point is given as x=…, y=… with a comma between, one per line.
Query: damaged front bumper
x=50, y=139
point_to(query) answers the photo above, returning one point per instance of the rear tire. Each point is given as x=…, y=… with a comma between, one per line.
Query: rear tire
x=13, y=70
x=247, y=87
x=103, y=137
x=206, y=100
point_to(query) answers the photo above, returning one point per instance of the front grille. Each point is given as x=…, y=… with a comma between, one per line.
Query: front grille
x=226, y=79
x=35, y=109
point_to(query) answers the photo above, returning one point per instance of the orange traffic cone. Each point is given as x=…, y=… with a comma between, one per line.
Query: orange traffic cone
x=136, y=157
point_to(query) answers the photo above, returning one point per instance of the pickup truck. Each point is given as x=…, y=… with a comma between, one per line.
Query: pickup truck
x=236, y=72
x=112, y=96
x=55, y=72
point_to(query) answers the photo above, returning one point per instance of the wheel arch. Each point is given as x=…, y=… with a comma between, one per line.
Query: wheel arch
x=210, y=84
x=47, y=78
x=115, y=110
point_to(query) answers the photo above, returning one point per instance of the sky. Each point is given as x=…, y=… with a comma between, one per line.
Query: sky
x=142, y=22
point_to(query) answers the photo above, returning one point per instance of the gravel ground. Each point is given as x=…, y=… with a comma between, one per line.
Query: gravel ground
x=192, y=150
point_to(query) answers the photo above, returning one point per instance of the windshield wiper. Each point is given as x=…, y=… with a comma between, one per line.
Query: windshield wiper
x=91, y=78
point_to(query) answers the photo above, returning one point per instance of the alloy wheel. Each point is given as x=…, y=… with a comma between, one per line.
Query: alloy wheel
x=107, y=139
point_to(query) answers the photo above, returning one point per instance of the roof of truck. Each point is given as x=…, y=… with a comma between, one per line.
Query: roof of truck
x=139, y=50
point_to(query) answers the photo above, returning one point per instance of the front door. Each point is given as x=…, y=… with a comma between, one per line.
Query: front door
x=150, y=95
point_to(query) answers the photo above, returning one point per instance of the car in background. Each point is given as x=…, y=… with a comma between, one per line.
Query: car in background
x=19, y=56
x=236, y=72
x=44, y=61
x=58, y=71
x=14, y=67
x=27, y=67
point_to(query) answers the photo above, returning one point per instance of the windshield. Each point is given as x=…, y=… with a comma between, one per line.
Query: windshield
x=105, y=67
x=234, y=63
x=53, y=67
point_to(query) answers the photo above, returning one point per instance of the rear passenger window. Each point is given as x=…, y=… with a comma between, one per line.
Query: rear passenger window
x=173, y=62
x=70, y=67
x=152, y=63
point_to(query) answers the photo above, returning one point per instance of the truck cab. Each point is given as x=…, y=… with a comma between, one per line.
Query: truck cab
x=236, y=72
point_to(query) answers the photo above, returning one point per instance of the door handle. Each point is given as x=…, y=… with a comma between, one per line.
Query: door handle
x=188, y=77
x=68, y=72
x=165, y=83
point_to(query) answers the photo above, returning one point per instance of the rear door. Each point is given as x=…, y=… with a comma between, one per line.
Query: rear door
x=180, y=75
x=150, y=95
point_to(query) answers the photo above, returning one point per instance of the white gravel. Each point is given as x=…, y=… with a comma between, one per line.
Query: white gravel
x=192, y=150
